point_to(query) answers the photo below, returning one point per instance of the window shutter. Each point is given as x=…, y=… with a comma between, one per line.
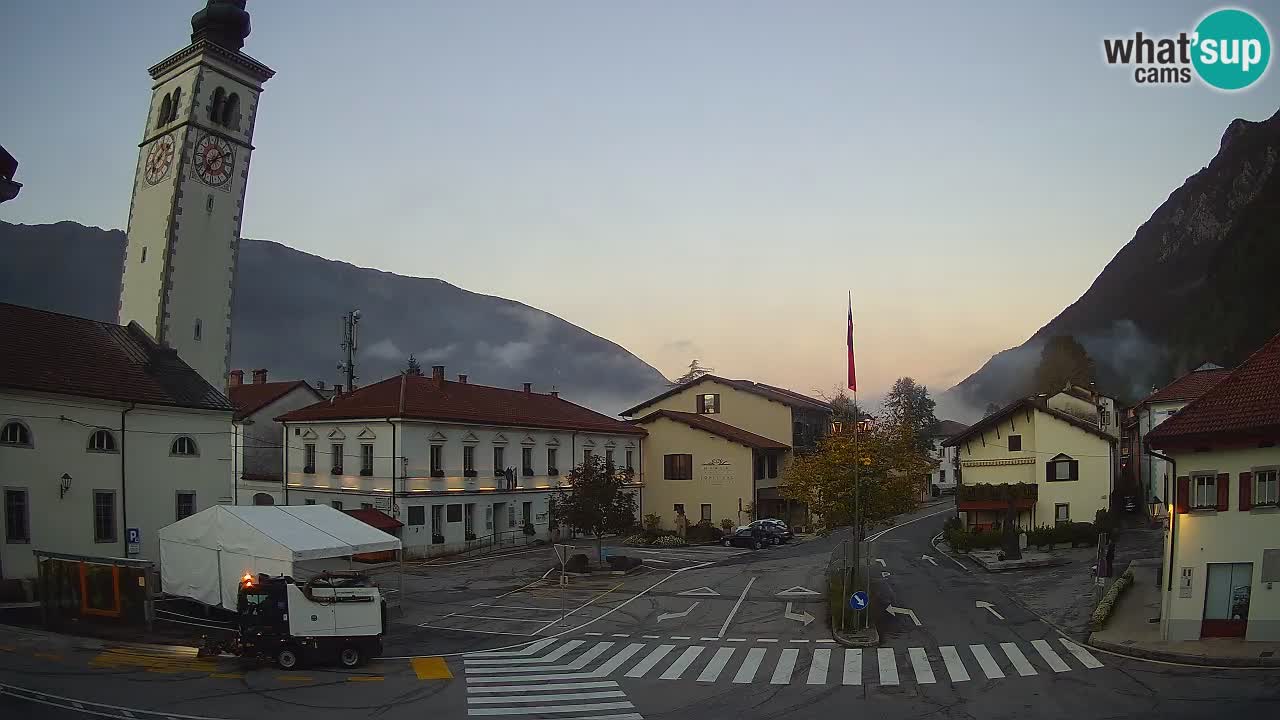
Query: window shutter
x=1184, y=495
x=702, y=404
x=1246, y=490
x=1075, y=469
x=717, y=403
x=1049, y=469
x=1224, y=490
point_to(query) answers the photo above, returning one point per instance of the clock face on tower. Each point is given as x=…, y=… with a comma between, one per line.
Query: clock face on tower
x=159, y=158
x=213, y=160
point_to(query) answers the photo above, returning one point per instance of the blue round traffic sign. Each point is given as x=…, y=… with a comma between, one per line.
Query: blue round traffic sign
x=859, y=600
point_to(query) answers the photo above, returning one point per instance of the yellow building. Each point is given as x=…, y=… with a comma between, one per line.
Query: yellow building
x=718, y=448
x=1067, y=457
x=1222, y=549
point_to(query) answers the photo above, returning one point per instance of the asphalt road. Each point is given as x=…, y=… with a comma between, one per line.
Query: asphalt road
x=711, y=631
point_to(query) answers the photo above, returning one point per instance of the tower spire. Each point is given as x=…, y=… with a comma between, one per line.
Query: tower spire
x=221, y=22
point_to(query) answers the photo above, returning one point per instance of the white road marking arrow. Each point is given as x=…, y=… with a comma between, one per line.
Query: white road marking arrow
x=882, y=562
x=895, y=611
x=797, y=591
x=884, y=574
x=704, y=590
x=803, y=617
x=668, y=616
x=987, y=605
x=931, y=560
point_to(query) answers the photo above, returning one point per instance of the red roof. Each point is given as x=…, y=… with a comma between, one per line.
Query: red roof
x=777, y=394
x=1033, y=402
x=1188, y=387
x=715, y=427
x=251, y=398
x=1245, y=405
x=375, y=518
x=67, y=355
x=423, y=398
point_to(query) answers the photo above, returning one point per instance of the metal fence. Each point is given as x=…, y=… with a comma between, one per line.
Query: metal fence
x=848, y=571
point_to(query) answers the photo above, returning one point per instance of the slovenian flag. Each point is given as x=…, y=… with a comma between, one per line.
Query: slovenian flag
x=853, y=381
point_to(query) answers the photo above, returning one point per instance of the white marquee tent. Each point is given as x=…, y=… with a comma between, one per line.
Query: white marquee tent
x=204, y=556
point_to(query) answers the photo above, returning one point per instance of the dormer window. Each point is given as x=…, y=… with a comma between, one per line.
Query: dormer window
x=709, y=404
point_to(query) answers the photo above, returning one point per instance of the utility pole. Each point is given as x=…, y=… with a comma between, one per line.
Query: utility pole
x=349, y=346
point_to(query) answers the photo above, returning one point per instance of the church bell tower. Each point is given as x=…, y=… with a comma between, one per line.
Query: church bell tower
x=189, y=188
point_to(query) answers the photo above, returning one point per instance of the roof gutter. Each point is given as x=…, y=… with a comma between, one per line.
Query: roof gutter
x=124, y=493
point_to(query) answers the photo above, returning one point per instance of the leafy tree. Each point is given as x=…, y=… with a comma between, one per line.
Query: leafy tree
x=909, y=406
x=992, y=409
x=594, y=499
x=1063, y=360
x=695, y=371
x=888, y=466
x=415, y=367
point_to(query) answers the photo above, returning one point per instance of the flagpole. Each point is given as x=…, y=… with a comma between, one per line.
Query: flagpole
x=857, y=460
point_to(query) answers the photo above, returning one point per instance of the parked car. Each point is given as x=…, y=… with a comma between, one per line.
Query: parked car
x=776, y=531
x=748, y=537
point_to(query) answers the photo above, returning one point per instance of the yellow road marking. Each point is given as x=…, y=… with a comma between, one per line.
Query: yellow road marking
x=158, y=661
x=431, y=668
x=227, y=676
x=7, y=648
x=295, y=678
x=365, y=678
x=48, y=656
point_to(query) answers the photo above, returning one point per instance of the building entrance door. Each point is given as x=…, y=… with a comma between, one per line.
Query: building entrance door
x=1226, y=600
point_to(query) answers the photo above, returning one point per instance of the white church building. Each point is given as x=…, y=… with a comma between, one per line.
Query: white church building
x=110, y=431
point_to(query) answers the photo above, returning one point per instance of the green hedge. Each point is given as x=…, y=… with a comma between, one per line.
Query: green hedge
x=1100, y=614
x=1073, y=534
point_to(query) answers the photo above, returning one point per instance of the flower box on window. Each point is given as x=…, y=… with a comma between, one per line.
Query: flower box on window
x=437, y=473
x=499, y=473
x=528, y=472
x=552, y=472
x=366, y=472
x=437, y=539
x=335, y=470
x=309, y=469
x=468, y=473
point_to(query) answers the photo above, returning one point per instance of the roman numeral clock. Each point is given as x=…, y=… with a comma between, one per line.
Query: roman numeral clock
x=188, y=193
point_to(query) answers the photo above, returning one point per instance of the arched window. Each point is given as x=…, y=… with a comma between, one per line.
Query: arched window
x=184, y=446
x=230, y=109
x=215, y=110
x=15, y=433
x=173, y=109
x=263, y=499
x=165, y=105
x=102, y=441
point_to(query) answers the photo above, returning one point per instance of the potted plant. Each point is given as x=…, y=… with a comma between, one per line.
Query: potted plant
x=470, y=536
x=468, y=473
x=437, y=473
x=437, y=539
x=529, y=530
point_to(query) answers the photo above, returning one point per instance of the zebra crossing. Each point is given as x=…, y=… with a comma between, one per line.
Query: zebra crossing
x=563, y=677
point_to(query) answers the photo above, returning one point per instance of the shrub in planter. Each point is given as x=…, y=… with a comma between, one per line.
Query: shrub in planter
x=1103, y=611
x=704, y=531
x=652, y=521
x=577, y=563
x=437, y=539
x=727, y=525
x=529, y=530
x=1083, y=534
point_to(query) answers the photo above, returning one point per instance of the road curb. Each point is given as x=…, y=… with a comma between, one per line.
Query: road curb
x=865, y=639
x=1142, y=653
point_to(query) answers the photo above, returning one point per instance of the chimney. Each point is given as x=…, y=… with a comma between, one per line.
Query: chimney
x=259, y=376
x=462, y=378
x=337, y=389
x=235, y=377
x=528, y=388
x=319, y=384
x=437, y=374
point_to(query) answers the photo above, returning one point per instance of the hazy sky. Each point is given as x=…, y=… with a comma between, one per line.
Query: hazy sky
x=685, y=178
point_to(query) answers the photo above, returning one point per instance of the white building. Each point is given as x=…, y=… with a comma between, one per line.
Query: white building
x=1222, y=549
x=943, y=479
x=259, y=454
x=435, y=455
x=101, y=430
x=1154, y=473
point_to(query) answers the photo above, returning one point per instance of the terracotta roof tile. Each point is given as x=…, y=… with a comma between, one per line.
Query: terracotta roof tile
x=252, y=397
x=1245, y=404
x=55, y=353
x=715, y=427
x=1188, y=387
x=425, y=398
x=1033, y=402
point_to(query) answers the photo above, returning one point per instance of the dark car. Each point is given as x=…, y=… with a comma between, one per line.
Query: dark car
x=748, y=537
x=776, y=532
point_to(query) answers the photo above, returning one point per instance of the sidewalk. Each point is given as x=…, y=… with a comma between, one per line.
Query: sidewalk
x=1129, y=631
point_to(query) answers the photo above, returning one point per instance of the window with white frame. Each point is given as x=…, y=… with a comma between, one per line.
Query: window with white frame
x=629, y=466
x=186, y=505
x=468, y=458
x=336, y=453
x=437, y=459
x=1204, y=491
x=102, y=441
x=309, y=458
x=1266, y=487
x=183, y=446
x=15, y=433
x=499, y=460
x=366, y=458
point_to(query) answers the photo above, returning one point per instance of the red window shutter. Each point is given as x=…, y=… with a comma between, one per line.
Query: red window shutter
x=1224, y=491
x=1246, y=490
x=1183, y=504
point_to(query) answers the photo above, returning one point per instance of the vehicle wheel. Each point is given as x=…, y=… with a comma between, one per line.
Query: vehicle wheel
x=287, y=658
x=728, y=543
x=755, y=544
x=350, y=657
